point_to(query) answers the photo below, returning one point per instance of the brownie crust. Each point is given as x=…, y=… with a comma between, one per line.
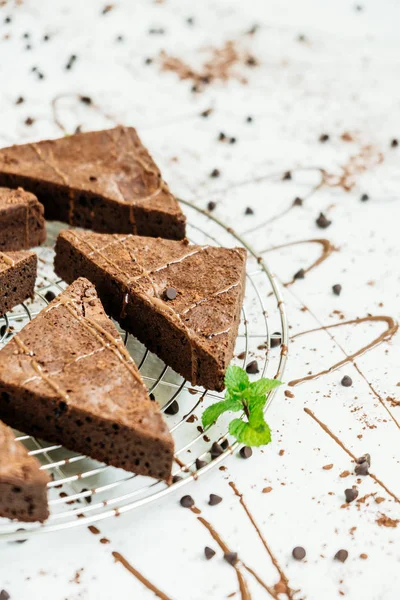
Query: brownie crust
x=194, y=333
x=102, y=180
x=22, y=223
x=17, y=278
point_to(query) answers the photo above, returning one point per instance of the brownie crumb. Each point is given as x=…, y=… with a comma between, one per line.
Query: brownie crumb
x=209, y=552
x=298, y=201
x=364, y=198
x=298, y=553
x=86, y=99
x=211, y=206
x=324, y=137
x=249, y=211
x=206, y=113
x=20, y=100
x=287, y=176
x=215, y=173
x=394, y=143
x=29, y=121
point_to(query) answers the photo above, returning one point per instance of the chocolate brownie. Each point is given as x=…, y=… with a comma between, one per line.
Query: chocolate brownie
x=22, y=224
x=101, y=180
x=23, y=486
x=17, y=278
x=67, y=377
x=182, y=301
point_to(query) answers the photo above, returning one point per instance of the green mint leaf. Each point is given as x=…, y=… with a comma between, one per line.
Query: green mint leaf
x=211, y=414
x=236, y=381
x=246, y=434
x=263, y=386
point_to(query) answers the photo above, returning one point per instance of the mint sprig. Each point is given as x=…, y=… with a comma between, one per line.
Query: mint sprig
x=246, y=396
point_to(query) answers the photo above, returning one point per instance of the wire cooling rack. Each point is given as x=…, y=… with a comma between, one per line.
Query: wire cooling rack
x=84, y=491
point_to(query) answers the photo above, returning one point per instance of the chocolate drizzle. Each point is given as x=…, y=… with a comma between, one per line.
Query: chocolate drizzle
x=392, y=328
x=150, y=586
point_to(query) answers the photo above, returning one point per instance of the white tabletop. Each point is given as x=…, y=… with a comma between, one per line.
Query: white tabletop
x=322, y=68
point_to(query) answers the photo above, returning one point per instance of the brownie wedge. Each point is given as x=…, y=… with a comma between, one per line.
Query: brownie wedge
x=23, y=486
x=101, y=180
x=67, y=377
x=17, y=278
x=22, y=224
x=182, y=301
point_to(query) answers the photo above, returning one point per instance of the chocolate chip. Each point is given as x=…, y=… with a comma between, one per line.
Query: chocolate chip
x=246, y=452
x=347, y=381
x=46, y=38
x=148, y=61
x=394, y=143
x=206, y=113
x=49, y=296
x=231, y=557
x=70, y=62
x=341, y=555
x=3, y=330
x=252, y=367
x=214, y=499
x=337, y=288
x=232, y=140
x=211, y=206
x=216, y=450
x=29, y=121
x=364, y=198
x=86, y=99
x=4, y=595
x=173, y=408
x=187, y=501
x=215, y=173
x=225, y=444
x=209, y=552
x=298, y=201
x=176, y=478
x=19, y=541
x=287, y=176
x=362, y=468
x=298, y=553
x=222, y=136
x=7, y=20
x=249, y=211
x=152, y=397
x=351, y=494
x=300, y=274
x=171, y=293
x=19, y=100
x=200, y=463
x=276, y=339
x=364, y=458
x=324, y=137
x=322, y=221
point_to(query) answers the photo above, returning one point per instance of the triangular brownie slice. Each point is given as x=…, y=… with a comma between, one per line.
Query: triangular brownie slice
x=23, y=486
x=22, y=222
x=67, y=378
x=182, y=301
x=17, y=278
x=102, y=180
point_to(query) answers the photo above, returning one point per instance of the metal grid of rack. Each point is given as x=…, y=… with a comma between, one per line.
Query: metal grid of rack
x=84, y=491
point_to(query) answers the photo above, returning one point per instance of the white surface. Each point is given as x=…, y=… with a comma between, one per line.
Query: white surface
x=343, y=78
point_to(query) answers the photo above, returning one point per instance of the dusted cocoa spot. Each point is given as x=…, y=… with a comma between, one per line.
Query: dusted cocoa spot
x=322, y=221
x=341, y=555
x=298, y=553
x=252, y=367
x=231, y=558
x=187, y=501
x=246, y=452
x=209, y=552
